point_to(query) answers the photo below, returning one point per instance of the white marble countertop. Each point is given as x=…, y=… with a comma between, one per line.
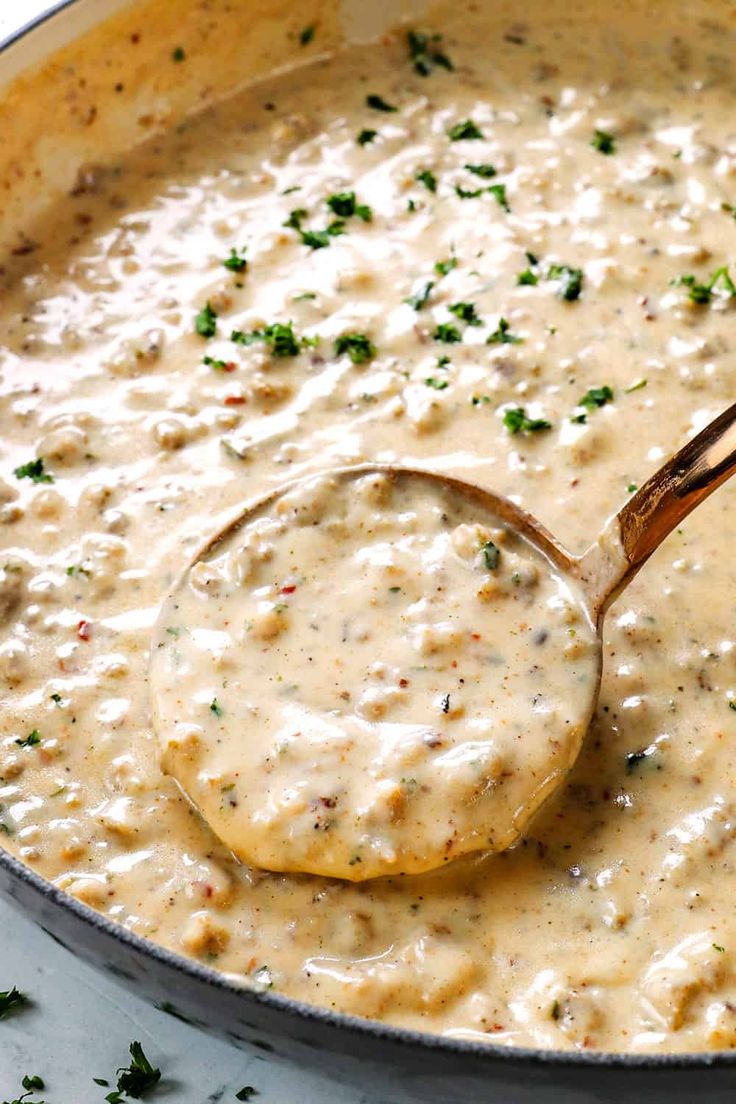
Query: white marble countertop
x=78, y=1024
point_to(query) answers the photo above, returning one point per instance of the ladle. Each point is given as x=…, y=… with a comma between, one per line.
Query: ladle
x=286, y=829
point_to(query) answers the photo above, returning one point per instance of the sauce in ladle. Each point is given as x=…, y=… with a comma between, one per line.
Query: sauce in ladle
x=369, y=673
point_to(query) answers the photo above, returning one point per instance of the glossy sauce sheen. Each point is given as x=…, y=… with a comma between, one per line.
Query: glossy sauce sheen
x=366, y=676
x=612, y=924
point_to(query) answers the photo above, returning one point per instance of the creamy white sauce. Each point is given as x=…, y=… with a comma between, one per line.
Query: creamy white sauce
x=611, y=925
x=366, y=676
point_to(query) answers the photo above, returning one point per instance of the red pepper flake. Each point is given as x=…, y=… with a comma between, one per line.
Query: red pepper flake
x=288, y=589
x=475, y=636
x=84, y=630
x=235, y=400
x=403, y=683
x=229, y=366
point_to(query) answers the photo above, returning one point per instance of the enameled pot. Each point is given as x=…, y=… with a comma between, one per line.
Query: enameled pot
x=392, y=1064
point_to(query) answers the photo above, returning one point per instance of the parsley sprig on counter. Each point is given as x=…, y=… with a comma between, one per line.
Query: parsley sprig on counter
x=31, y=1083
x=133, y=1080
x=10, y=1000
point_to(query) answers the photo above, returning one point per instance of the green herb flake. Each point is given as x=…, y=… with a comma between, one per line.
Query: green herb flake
x=307, y=35
x=78, y=569
x=702, y=294
x=485, y=172
x=358, y=347
x=719, y=948
x=516, y=421
x=10, y=1000
x=33, y=470
x=205, y=323
x=631, y=487
x=437, y=384
x=732, y=705
x=597, y=397
x=137, y=1078
x=498, y=191
x=468, y=193
x=246, y=1093
x=637, y=386
x=466, y=130
x=31, y=740
x=216, y=708
x=178, y=54
x=530, y=275
x=420, y=298
x=569, y=279
x=427, y=178
x=491, y=555
x=448, y=333
x=442, y=268
x=56, y=698
x=279, y=337
x=377, y=103
x=502, y=335
x=366, y=136
x=236, y=262
x=425, y=54
x=345, y=205
x=603, y=142
x=466, y=312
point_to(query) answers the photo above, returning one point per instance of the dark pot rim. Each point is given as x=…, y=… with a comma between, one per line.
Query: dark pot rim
x=301, y=1010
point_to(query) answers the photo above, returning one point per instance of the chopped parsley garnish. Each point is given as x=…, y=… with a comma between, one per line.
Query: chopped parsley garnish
x=345, y=205
x=236, y=262
x=77, y=569
x=366, y=136
x=246, y=1093
x=34, y=471
x=570, y=280
x=437, y=384
x=377, y=103
x=216, y=708
x=443, y=361
x=596, y=396
x=205, y=323
x=466, y=130
x=703, y=293
x=358, y=347
x=498, y=191
x=466, y=312
x=502, y=335
x=31, y=739
x=603, y=142
x=11, y=999
x=491, y=555
x=319, y=239
x=448, y=333
x=427, y=178
x=420, y=298
x=279, y=336
x=307, y=35
x=56, y=698
x=530, y=276
x=424, y=53
x=716, y=947
x=219, y=365
x=178, y=54
x=136, y=1079
x=516, y=421
x=468, y=193
x=485, y=172
x=443, y=267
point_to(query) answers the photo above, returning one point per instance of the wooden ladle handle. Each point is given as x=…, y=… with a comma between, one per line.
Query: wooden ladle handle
x=629, y=539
